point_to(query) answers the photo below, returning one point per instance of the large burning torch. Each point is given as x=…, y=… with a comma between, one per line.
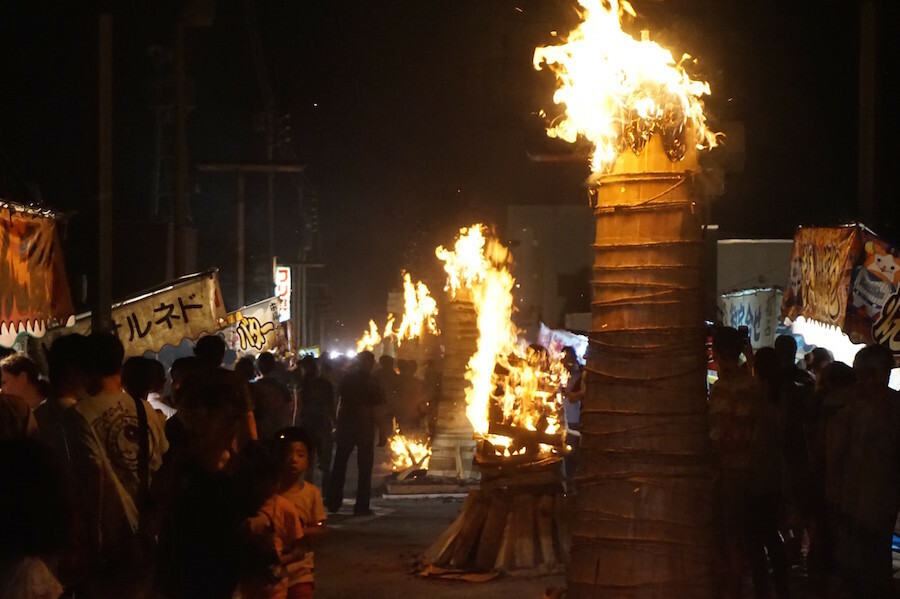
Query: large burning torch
x=643, y=520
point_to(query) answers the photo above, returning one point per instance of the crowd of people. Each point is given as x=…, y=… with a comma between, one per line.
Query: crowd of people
x=125, y=480
x=807, y=463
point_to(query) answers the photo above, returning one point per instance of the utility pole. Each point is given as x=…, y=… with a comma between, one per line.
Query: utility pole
x=868, y=33
x=101, y=319
x=179, y=208
x=191, y=13
x=268, y=116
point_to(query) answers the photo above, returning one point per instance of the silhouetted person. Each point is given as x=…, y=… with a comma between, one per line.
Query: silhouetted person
x=387, y=377
x=274, y=403
x=359, y=417
x=746, y=458
x=826, y=472
x=114, y=453
x=411, y=403
x=35, y=519
x=245, y=368
x=870, y=489
x=205, y=493
x=16, y=418
x=318, y=417
x=145, y=378
x=67, y=370
x=19, y=375
x=796, y=388
x=211, y=350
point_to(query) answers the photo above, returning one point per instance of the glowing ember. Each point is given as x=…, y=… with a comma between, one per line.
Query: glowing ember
x=370, y=338
x=511, y=384
x=618, y=90
x=419, y=311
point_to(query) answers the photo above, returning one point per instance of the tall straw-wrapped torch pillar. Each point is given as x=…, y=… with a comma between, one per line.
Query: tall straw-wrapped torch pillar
x=644, y=522
x=644, y=497
x=452, y=446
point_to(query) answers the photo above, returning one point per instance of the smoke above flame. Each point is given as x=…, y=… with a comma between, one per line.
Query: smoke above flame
x=511, y=383
x=618, y=91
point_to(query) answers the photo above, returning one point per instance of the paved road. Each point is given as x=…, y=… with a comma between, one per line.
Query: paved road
x=373, y=557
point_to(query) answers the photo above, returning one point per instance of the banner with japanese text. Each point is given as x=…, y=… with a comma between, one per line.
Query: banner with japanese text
x=848, y=277
x=185, y=309
x=253, y=329
x=34, y=291
x=756, y=309
x=822, y=263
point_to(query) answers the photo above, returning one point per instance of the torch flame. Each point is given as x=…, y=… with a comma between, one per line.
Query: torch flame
x=419, y=316
x=618, y=90
x=370, y=338
x=419, y=311
x=505, y=375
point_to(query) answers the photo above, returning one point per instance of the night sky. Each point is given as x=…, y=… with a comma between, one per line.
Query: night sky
x=416, y=117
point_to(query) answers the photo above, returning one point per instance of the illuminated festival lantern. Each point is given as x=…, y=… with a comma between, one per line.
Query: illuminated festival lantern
x=643, y=523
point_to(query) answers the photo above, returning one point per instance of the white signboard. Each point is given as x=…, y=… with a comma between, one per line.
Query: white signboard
x=283, y=292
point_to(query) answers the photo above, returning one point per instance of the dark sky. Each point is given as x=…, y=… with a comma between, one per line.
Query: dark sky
x=416, y=117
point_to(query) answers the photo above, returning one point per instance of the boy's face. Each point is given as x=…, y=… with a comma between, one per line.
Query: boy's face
x=298, y=458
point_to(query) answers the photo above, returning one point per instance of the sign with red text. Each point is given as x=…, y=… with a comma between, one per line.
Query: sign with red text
x=283, y=292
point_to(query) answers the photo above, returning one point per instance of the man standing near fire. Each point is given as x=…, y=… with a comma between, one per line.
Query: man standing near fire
x=361, y=413
x=573, y=392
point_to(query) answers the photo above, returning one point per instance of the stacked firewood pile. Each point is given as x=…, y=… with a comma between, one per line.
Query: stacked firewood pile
x=518, y=519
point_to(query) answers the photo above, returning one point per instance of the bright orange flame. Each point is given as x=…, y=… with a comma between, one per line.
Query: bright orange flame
x=504, y=374
x=419, y=311
x=407, y=452
x=389, y=328
x=618, y=90
x=370, y=338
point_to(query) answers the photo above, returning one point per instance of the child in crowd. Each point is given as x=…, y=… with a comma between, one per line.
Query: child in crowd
x=275, y=528
x=295, y=447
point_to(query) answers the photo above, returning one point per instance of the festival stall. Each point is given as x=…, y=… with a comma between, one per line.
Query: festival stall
x=849, y=278
x=186, y=308
x=34, y=291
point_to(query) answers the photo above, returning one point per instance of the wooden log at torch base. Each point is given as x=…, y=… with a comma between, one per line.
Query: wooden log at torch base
x=517, y=520
x=643, y=519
